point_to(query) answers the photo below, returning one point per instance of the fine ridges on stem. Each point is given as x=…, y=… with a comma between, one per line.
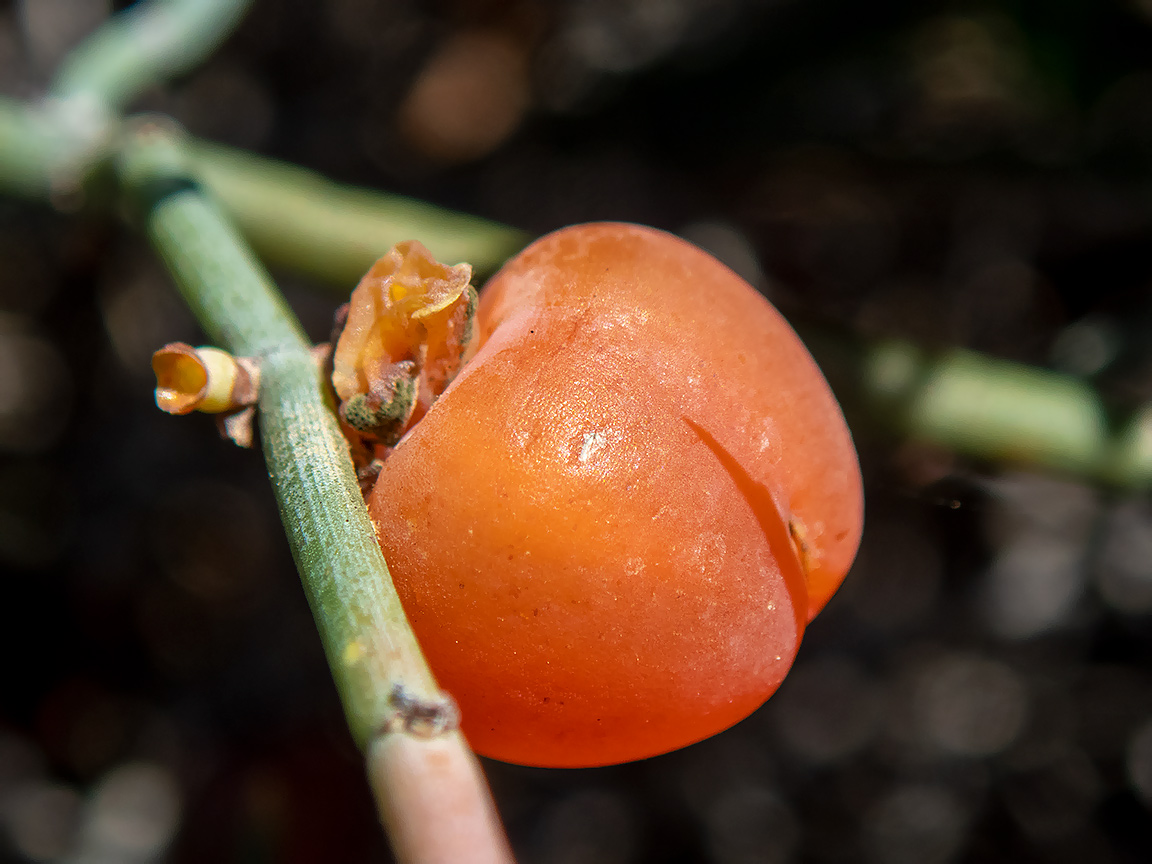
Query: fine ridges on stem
x=427, y=783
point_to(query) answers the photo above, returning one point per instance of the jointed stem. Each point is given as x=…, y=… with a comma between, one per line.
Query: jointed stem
x=149, y=43
x=395, y=710
x=294, y=218
x=431, y=793
x=301, y=221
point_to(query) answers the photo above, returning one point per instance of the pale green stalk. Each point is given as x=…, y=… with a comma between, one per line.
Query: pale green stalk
x=240, y=309
x=1006, y=412
x=395, y=709
x=148, y=43
x=301, y=221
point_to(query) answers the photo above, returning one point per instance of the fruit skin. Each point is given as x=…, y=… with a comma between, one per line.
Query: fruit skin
x=590, y=529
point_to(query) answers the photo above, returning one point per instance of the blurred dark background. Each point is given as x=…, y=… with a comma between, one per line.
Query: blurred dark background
x=974, y=174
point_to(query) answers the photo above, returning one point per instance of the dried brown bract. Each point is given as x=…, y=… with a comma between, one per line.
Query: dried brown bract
x=408, y=331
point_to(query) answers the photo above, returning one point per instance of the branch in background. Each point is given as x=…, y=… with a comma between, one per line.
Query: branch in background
x=140, y=47
x=301, y=221
x=29, y=142
x=395, y=710
x=1002, y=411
x=129, y=53
x=295, y=218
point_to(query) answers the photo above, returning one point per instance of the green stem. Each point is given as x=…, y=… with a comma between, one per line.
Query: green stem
x=28, y=147
x=369, y=644
x=998, y=410
x=294, y=218
x=58, y=148
x=146, y=44
x=429, y=788
x=301, y=221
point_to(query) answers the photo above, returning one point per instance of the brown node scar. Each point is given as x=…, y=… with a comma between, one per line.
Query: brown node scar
x=420, y=716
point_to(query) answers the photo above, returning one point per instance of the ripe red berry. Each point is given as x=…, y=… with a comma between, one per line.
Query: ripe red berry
x=611, y=529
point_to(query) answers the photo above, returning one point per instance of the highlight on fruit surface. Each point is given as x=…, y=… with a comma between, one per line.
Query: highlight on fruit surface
x=611, y=528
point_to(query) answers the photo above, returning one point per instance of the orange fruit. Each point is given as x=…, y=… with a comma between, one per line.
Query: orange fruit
x=611, y=529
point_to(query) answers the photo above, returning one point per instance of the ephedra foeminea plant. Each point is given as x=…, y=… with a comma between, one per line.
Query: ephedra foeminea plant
x=900, y=372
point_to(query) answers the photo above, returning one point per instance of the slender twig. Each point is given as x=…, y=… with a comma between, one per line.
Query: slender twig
x=132, y=51
x=426, y=781
x=28, y=144
x=298, y=220
x=1008, y=412
x=142, y=46
x=294, y=218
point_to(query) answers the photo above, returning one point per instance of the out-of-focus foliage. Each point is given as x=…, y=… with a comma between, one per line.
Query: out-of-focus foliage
x=963, y=174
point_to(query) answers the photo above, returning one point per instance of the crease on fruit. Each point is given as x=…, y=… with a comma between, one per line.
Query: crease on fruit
x=806, y=550
x=772, y=524
x=410, y=328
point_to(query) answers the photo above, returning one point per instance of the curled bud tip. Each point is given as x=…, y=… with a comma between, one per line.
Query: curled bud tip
x=202, y=379
x=403, y=337
x=181, y=378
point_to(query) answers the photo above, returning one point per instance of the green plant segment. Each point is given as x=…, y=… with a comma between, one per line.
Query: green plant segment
x=145, y=45
x=360, y=618
x=294, y=218
x=301, y=221
x=63, y=149
x=29, y=141
x=1007, y=412
x=417, y=759
x=72, y=149
x=58, y=146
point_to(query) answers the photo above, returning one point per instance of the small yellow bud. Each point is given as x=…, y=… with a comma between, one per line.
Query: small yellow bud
x=203, y=379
